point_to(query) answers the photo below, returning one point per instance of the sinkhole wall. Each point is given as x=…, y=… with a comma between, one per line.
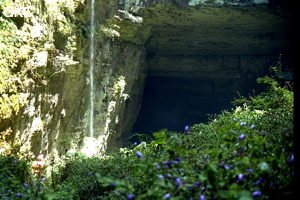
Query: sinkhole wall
x=205, y=44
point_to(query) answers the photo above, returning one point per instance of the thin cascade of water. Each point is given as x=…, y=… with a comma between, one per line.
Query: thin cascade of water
x=92, y=69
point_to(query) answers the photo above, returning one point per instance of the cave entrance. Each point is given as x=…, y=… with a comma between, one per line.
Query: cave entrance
x=176, y=98
x=198, y=59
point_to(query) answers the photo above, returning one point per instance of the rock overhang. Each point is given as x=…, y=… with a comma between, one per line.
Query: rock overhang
x=223, y=30
x=204, y=54
x=209, y=27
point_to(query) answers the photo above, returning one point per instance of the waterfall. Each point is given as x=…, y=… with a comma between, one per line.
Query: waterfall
x=92, y=69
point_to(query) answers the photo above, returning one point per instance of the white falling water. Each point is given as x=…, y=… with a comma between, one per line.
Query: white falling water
x=92, y=69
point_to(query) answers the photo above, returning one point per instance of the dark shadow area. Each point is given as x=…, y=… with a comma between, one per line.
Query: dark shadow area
x=199, y=59
x=173, y=103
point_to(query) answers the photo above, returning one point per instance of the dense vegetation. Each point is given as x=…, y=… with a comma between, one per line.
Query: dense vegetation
x=246, y=153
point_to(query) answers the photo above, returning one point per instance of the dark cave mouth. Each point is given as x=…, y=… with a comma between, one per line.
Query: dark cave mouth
x=187, y=95
x=174, y=102
x=196, y=67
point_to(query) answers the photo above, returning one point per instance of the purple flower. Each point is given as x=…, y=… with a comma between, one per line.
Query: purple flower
x=139, y=154
x=178, y=182
x=197, y=184
x=135, y=144
x=291, y=161
x=167, y=164
x=161, y=176
x=240, y=177
x=157, y=165
x=130, y=197
x=256, y=194
x=169, y=175
x=114, y=185
x=234, y=119
x=90, y=173
x=250, y=171
x=14, y=161
x=186, y=129
x=167, y=196
x=243, y=123
x=18, y=195
x=202, y=197
x=178, y=159
x=221, y=164
x=252, y=126
x=26, y=185
x=241, y=137
x=227, y=166
x=272, y=184
x=260, y=180
x=43, y=179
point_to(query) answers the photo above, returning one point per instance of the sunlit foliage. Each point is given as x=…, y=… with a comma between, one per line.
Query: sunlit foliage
x=246, y=153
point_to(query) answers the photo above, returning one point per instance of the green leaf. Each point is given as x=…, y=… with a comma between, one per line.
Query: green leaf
x=210, y=173
x=245, y=198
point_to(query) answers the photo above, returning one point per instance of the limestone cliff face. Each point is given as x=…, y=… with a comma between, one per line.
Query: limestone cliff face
x=54, y=117
x=44, y=58
x=191, y=40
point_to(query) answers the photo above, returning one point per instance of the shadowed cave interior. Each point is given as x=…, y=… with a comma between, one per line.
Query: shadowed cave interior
x=174, y=102
x=199, y=60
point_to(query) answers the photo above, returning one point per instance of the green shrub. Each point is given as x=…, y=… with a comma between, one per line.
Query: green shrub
x=17, y=181
x=246, y=153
